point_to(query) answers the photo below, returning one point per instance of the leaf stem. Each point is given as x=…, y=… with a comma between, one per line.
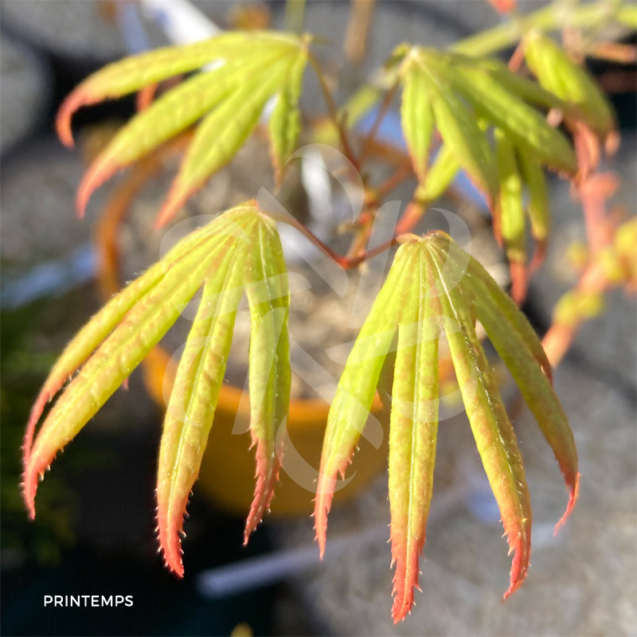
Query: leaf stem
x=347, y=263
x=333, y=112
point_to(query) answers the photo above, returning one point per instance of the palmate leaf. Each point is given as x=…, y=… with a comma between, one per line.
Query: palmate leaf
x=459, y=91
x=434, y=286
x=522, y=124
x=428, y=92
x=247, y=70
x=237, y=253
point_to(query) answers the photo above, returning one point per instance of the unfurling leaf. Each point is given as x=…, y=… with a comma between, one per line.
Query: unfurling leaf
x=433, y=287
x=247, y=69
x=573, y=84
x=237, y=253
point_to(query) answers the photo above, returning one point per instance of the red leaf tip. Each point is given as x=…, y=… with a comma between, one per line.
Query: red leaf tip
x=99, y=171
x=75, y=100
x=29, y=489
x=267, y=477
x=33, y=473
x=322, y=505
x=170, y=525
x=572, y=499
x=519, y=281
x=521, y=547
x=401, y=608
x=36, y=411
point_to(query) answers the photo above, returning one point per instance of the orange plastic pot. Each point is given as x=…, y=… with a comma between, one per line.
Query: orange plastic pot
x=228, y=468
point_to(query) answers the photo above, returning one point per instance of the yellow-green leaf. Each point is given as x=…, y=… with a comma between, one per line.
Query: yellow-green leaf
x=538, y=205
x=101, y=325
x=460, y=132
x=248, y=69
x=132, y=73
x=489, y=422
x=285, y=121
x=511, y=212
x=221, y=135
x=521, y=123
x=523, y=87
x=117, y=356
x=413, y=430
x=171, y=114
x=356, y=388
x=522, y=352
x=417, y=119
x=441, y=174
x=238, y=251
x=572, y=83
x=432, y=285
x=269, y=299
x=193, y=400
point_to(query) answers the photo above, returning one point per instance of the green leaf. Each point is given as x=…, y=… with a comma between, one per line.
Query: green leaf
x=357, y=386
x=521, y=123
x=511, y=212
x=193, y=401
x=521, y=350
x=413, y=432
x=524, y=88
x=473, y=274
x=118, y=355
x=538, y=206
x=135, y=72
x=100, y=326
x=238, y=251
x=417, y=119
x=490, y=424
x=169, y=115
x=432, y=285
x=221, y=135
x=570, y=82
x=249, y=69
x=269, y=299
x=285, y=121
x=459, y=129
x=441, y=174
